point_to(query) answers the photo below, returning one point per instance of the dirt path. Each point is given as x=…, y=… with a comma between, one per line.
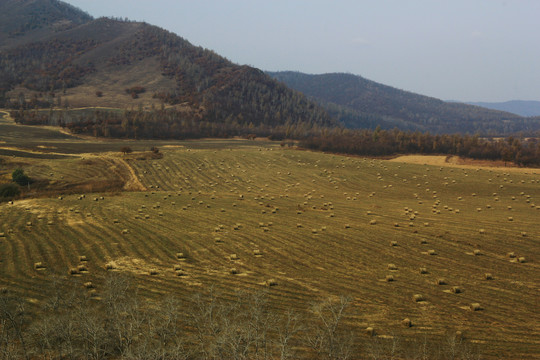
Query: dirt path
x=457, y=162
x=121, y=168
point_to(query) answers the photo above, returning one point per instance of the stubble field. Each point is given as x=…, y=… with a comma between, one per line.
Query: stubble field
x=234, y=215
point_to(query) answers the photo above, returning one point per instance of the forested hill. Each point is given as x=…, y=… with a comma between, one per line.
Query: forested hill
x=361, y=103
x=57, y=55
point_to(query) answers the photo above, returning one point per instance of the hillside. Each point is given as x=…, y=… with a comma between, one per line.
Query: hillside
x=362, y=103
x=519, y=107
x=123, y=64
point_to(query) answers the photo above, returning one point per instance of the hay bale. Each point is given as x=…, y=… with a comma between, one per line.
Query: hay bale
x=423, y=270
x=432, y=252
x=39, y=265
x=482, y=231
x=82, y=267
x=392, y=267
x=2, y=234
x=180, y=255
x=233, y=257
x=271, y=282
x=257, y=252
x=153, y=272
x=477, y=252
x=488, y=276
x=88, y=285
x=373, y=222
x=110, y=266
x=393, y=243
x=83, y=258
x=456, y=290
x=418, y=298
x=180, y=273
x=389, y=278
x=440, y=281
x=521, y=259
x=406, y=323
x=475, y=307
x=73, y=271
x=233, y=271
x=370, y=331
x=511, y=255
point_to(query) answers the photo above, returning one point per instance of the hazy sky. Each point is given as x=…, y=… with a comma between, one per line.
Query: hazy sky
x=467, y=50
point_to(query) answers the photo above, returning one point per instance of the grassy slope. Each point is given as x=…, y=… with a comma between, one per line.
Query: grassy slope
x=194, y=197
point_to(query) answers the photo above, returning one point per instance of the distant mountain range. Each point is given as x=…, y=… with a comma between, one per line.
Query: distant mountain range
x=519, y=107
x=53, y=54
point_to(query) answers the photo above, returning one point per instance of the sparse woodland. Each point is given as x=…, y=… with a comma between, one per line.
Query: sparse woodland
x=121, y=324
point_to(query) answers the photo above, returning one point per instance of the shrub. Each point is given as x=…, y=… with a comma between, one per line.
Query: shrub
x=9, y=191
x=20, y=177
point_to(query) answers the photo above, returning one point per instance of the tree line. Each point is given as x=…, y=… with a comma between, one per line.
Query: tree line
x=519, y=150
x=312, y=133
x=76, y=322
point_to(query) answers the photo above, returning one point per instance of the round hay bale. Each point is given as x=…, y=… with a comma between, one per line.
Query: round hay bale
x=475, y=307
x=233, y=257
x=418, y=298
x=432, y=252
x=406, y=323
x=423, y=270
x=233, y=271
x=440, y=281
x=521, y=259
x=393, y=243
x=392, y=267
x=389, y=278
x=73, y=271
x=180, y=255
x=88, y=285
x=153, y=272
x=488, y=276
x=511, y=255
x=271, y=282
x=370, y=331
x=180, y=273
x=373, y=222
x=477, y=252
x=456, y=290
x=39, y=265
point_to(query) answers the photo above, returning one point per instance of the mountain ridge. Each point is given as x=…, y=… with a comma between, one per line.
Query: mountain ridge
x=104, y=61
x=363, y=103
